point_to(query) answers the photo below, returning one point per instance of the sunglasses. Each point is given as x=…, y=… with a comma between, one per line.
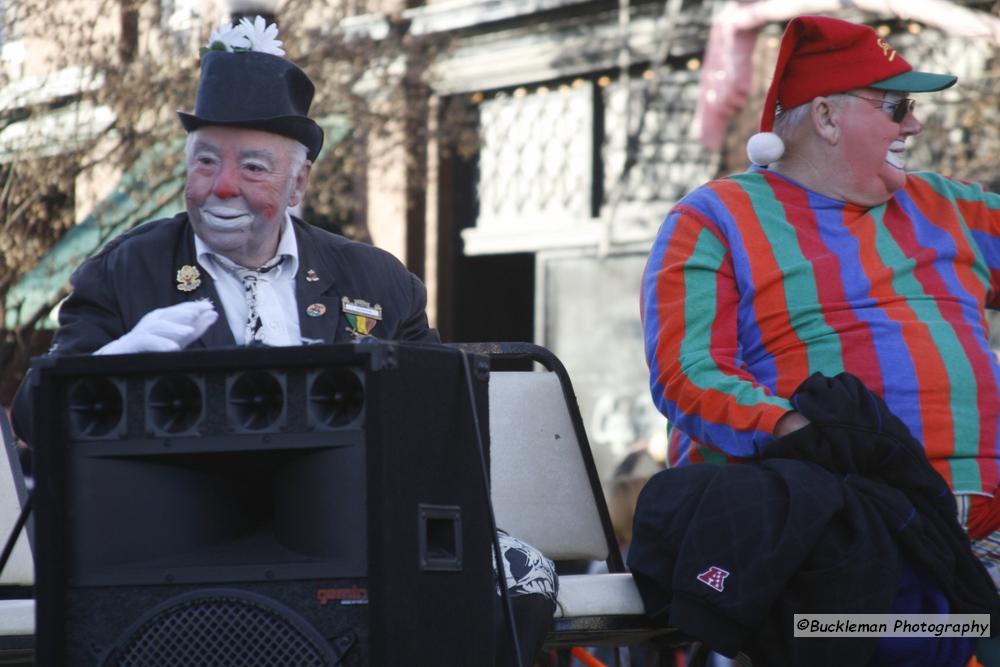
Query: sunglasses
x=896, y=110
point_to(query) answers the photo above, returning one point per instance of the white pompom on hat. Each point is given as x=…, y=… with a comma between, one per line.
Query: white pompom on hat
x=764, y=148
x=824, y=56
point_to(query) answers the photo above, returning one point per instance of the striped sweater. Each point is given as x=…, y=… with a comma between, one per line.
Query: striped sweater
x=754, y=283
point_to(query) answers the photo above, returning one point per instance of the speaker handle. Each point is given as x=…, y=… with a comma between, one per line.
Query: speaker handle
x=439, y=537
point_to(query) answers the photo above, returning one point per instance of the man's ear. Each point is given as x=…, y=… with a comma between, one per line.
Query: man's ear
x=826, y=119
x=301, y=183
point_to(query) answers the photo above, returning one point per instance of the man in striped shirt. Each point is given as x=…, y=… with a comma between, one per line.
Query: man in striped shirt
x=826, y=256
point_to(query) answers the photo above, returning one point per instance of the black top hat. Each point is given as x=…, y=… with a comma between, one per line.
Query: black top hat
x=258, y=91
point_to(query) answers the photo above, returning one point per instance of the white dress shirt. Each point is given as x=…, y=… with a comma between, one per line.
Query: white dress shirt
x=276, y=303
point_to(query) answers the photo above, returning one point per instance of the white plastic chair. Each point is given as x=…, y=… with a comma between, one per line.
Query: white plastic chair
x=546, y=491
x=17, y=606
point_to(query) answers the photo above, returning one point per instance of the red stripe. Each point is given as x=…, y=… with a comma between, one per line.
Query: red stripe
x=988, y=402
x=984, y=516
x=929, y=367
x=951, y=310
x=981, y=218
x=670, y=297
x=857, y=344
x=707, y=403
x=978, y=216
x=584, y=657
x=769, y=305
x=931, y=204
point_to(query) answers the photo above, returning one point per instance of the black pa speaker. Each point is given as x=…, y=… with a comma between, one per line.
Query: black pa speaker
x=318, y=505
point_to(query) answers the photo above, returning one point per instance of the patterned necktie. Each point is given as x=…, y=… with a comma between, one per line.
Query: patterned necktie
x=253, y=332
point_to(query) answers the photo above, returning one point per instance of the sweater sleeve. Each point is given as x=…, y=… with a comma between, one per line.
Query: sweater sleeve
x=984, y=222
x=690, y=300
x=979, y=210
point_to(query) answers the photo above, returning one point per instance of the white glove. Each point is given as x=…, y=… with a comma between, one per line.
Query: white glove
x=166, y=329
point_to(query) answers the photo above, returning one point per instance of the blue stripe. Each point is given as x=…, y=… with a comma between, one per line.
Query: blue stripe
x=650, y=314
x=745, y=444
x=737, y=443
x=930, y=236
x=764, y=370
x=886, y=333
x=989, y=247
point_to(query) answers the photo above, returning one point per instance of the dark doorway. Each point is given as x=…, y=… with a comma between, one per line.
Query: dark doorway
x=481, y=298
x=494, y=298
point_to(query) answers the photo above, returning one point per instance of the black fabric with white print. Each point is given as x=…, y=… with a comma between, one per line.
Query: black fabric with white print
x=528, y=571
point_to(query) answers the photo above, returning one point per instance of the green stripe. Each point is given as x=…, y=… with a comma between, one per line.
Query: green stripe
x=823, y=348
x=699, y=296
x=955, y=190
x=961, y=380
x=965, y=475
x=712, y=456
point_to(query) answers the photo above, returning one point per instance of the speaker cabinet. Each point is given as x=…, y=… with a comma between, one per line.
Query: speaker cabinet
x=321, y=505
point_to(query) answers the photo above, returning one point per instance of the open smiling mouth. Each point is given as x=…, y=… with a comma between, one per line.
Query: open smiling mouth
x=896, y=155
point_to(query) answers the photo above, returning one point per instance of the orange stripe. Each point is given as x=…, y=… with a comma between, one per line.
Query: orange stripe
x=928, y=200
x=584, y=657
x=986, y=397
x=929, y=368
x=769, y=304
x=707, y=403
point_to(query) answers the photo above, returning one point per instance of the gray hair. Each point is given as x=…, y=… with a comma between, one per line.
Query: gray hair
x=298, y=160
x=788, y=121
x=299, y=155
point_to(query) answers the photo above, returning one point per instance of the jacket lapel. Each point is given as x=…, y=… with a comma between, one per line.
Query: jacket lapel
x=317, y=292
x=219, y=334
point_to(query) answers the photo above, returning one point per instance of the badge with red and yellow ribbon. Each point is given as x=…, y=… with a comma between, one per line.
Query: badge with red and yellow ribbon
x=361, y=315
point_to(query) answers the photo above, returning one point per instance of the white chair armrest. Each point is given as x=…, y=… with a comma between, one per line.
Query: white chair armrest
x=17, y=617
x=598, y=595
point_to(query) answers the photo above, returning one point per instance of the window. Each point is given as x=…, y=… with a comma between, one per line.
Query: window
x=536, y=156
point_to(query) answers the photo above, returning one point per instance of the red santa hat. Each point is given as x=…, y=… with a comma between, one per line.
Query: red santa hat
x=824, y=56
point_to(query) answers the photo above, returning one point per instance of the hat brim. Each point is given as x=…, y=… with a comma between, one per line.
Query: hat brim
x=915, y=82
x=301, y=128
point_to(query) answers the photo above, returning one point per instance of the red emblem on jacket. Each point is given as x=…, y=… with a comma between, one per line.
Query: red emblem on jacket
x=714, y=577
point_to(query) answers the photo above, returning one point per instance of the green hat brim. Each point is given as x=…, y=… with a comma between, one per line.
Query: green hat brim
x=915, y=82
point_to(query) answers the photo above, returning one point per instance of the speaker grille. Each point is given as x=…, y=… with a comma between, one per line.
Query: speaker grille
x=256, y=400
x=95, y=408
x=221, y=628
x=336, y=398
x=174, y=404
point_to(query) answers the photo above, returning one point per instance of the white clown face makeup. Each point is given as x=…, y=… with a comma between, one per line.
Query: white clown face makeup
x=896, y=156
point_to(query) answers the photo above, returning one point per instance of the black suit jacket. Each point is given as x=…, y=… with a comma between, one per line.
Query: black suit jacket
x=137, y=272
